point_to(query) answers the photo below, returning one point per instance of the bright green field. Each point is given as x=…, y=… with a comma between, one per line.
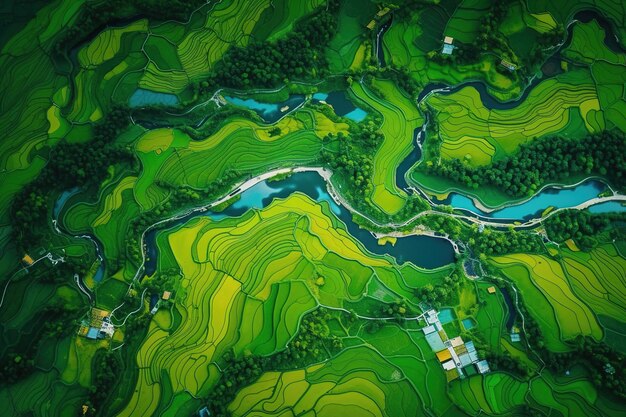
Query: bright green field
x=400, y=119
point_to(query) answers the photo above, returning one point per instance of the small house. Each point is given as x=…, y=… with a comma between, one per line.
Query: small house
x=429, y=329
x=382, y=12
x=371, y=25
x=491, y=290
x=107, y=329
x=508, y=65
x=166, y=295
x=448, y=365
x=457, y=341
x=447, y=49
x=432, y=317
x=27, y=260
x=444, y=355
x=448, y=40
x=482, y=366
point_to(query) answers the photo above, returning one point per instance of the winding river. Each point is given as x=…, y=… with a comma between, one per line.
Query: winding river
x=423, y=251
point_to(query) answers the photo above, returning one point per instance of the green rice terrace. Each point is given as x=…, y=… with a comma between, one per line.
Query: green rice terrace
x=313, y=208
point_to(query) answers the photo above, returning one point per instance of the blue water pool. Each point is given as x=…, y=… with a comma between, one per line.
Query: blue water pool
x=143, y=97
x=446, y=315
x=468, y=323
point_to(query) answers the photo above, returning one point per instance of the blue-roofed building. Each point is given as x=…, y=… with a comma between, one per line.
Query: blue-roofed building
x=447, y=49
x=435, y=342
x=93, y=333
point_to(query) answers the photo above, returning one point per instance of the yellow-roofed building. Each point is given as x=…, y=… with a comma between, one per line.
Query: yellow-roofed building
x=444, y=355
x=28, y=260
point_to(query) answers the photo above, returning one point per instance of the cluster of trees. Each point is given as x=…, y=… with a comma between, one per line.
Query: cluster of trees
x=543, y=160
x=351, y=158
x=581, y=226
x=69, y=165
x=506, y=362
x=401, y=77
x=313, y=342
x=95, y=16
x=488, y=39
x=491, y=242
x=53, y=320
x=236, y=374
x=299, y=55
x=14, y=366
x=106, y=369
x=398, y=310
x=543, y=44
x=605, y=364
x=136, y=326
x=442, y=293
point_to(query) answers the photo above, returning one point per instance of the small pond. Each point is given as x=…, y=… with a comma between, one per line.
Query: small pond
x=269, y=112
x=468, y=323
x=143, y=97
x=446, y=315
x=341, y=105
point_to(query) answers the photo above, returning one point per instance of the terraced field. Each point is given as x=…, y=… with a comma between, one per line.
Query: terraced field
x=367, y=385
x=478, y=135
x=499, y=393
x=400, y=119
x=573, y=316
x=158, y=258
x=249, y=280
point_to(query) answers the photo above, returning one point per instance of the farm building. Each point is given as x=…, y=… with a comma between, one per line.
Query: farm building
x=456, y=342
x=432, y=317
x=98, y=326
x=27, y=260
x=166, y=295
x=444, y=355
x=482, y=366
x=382, y=12
x=448, y=47
x=448, y=365
x=491, y=290
x=508, y=65
x=92, y=333
x=435, y=342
